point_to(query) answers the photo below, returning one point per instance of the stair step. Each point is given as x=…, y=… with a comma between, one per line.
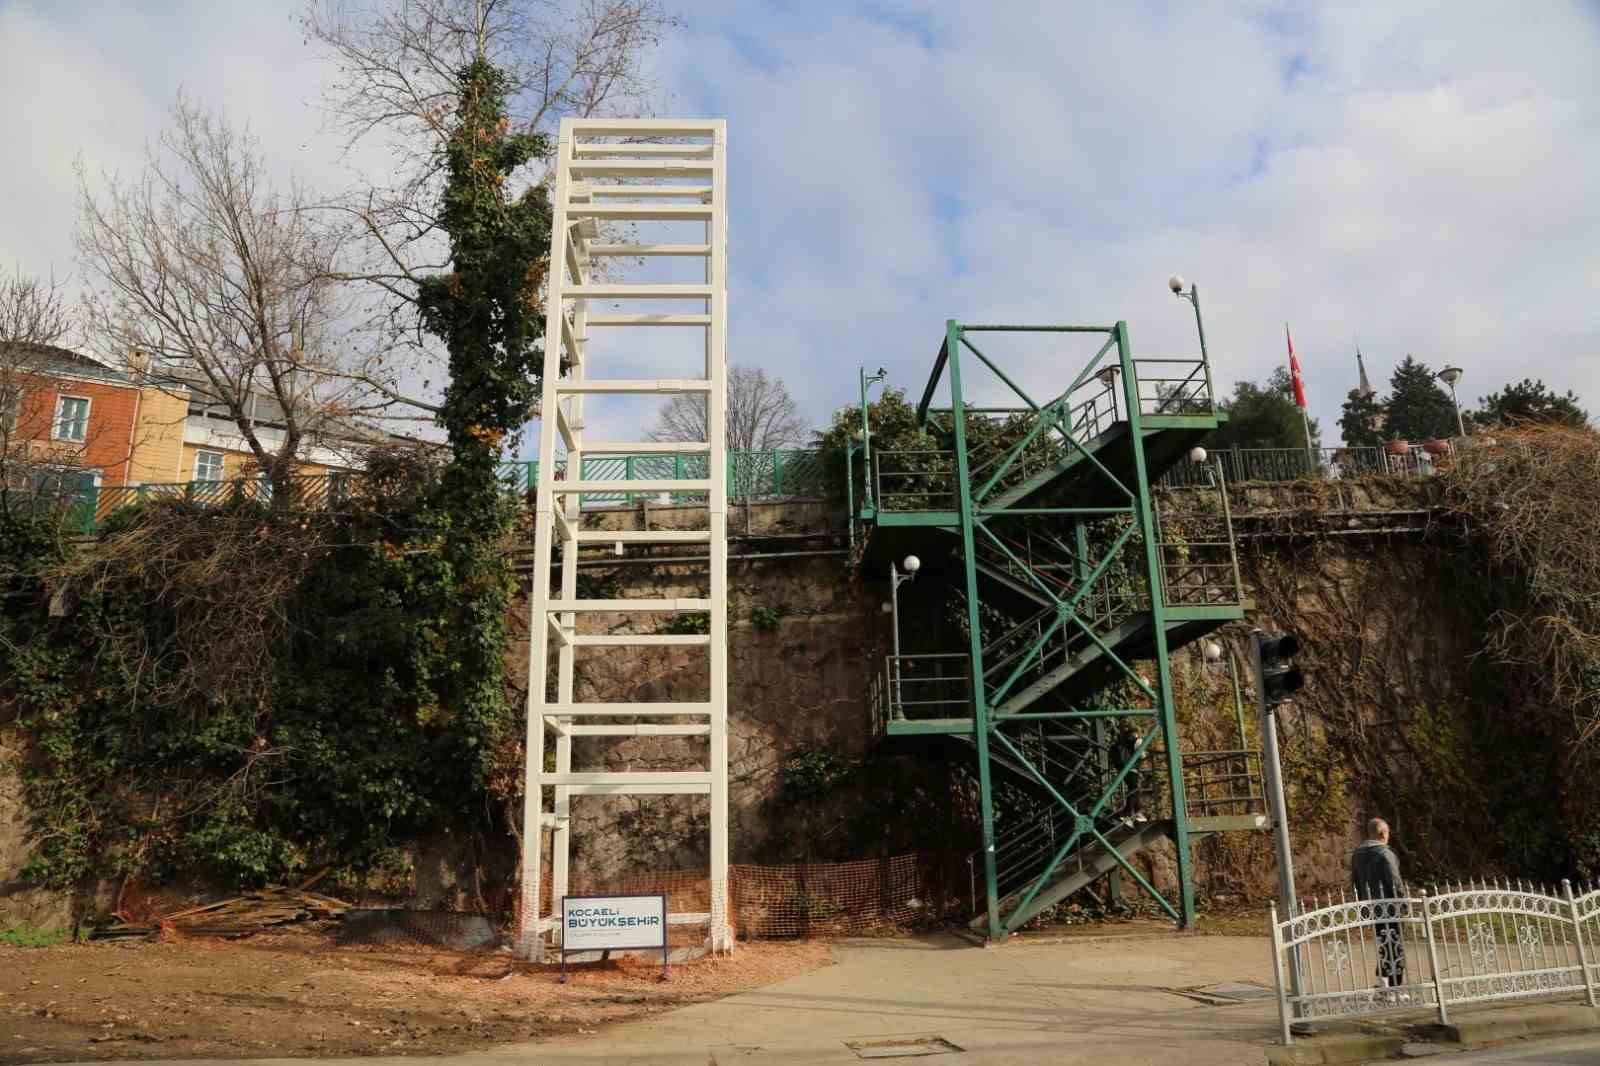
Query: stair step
x=1077, y=871
x=1017, y=702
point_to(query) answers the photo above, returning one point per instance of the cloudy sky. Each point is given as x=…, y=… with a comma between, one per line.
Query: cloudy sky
x=1423, y=176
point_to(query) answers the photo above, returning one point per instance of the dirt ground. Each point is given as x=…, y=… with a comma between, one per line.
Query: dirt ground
x=296, y=993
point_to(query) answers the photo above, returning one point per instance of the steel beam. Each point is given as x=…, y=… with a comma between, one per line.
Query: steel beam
x=1163, y=665
x=965, y=508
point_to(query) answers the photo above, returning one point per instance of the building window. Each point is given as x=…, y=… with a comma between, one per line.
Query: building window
x=72, y=418
x=208, y=466
x=10, y=407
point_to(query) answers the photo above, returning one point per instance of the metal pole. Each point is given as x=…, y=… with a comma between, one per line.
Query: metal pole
x=1273, y=769
x=1162, y=693
x=1238, y=701
x=1311, y=448
x=1199, y=325
x=894, y=606
x=1433, y=960
x=1205, y=357
x=866, y=445
x=1461, y=429
x=850, y=491
x=966, y=511
x=1277, y=971
x=1583, y=951
x=895, y=695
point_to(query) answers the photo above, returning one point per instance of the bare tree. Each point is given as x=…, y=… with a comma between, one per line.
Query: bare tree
x=399, y=86
x=33, y=319
x=221, y=280
x=761, y=414
x=32, y=310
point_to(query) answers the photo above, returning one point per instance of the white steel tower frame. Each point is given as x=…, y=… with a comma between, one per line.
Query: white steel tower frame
x=629, y=171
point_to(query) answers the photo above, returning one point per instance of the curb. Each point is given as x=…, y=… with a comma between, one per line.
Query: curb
x=1493, y=1026
x=1543, y=1021
x=1342, y=1049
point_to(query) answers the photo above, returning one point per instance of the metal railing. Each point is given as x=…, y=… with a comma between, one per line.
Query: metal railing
x=912, y=687
x=1199, y=559
x=782, y=474
x=924, y=479
x=1293, y=464
x=914, y=479
x=774, y=474
x=1484, y=942
x=1219, y=783
x=1175, y=386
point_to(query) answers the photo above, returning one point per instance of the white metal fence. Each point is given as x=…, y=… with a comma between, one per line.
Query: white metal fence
x=1475, y=943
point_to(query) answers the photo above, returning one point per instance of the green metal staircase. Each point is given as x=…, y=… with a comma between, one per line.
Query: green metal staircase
x=1075, y=591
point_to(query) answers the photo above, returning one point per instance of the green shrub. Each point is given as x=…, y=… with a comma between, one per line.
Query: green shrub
x=27, y=936
x=687, y=623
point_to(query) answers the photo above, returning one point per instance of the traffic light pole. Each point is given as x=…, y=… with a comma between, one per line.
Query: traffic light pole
x=1273, y=769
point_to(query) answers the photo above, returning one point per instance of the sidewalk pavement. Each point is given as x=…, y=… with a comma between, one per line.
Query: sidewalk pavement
x=1103, y=1001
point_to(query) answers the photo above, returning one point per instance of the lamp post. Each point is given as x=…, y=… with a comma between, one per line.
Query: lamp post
x=867, y=380
x=911, y=564
x=1176, y=284
x=1450, y=375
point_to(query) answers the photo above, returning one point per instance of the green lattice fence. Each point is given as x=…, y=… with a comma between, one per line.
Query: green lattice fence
x=769, y=475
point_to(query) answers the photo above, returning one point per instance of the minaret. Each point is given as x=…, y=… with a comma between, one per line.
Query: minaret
x=1364, y=389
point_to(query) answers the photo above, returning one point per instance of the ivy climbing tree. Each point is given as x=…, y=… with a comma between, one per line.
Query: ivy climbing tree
x=485, y=312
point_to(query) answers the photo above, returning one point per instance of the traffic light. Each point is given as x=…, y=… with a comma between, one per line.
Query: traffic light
x=1280, y=678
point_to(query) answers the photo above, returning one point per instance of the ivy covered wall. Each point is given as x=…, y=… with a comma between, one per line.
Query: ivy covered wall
x=348, y=757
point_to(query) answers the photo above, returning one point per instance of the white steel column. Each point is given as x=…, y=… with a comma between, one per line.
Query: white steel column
x=717, y=508
x=600, y=164
x=561, y=837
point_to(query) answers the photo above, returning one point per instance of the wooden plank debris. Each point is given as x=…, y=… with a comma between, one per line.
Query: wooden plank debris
x=241, y=915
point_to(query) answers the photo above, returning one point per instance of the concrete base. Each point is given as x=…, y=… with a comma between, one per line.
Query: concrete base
x=1355, y=1041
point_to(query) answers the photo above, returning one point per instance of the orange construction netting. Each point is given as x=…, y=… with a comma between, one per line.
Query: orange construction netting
x=804, y=899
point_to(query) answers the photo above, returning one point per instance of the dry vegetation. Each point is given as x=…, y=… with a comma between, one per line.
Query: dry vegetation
x=296, y=994
x=1533, y=499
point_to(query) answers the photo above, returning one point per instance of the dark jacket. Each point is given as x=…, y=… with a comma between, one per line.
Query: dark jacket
x=1375, y=871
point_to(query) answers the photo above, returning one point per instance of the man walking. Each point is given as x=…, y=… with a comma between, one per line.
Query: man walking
x=1375, y=873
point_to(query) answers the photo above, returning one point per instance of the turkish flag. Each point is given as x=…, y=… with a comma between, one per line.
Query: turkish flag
x=1294, y=371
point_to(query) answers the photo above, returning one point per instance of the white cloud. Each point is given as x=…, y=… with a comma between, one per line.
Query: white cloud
x=1422, y=175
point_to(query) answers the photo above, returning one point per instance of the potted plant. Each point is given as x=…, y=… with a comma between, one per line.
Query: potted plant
x=1436, y=447
x=1397, y=447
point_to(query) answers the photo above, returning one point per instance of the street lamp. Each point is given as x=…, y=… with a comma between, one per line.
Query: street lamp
x=1450, y=375
x=867, y=381
x=1176, y=284
x=910, y=564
